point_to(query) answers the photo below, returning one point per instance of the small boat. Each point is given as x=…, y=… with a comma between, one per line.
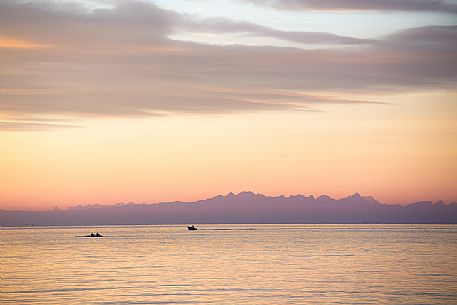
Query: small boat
x=94, y=235
x=192, y=228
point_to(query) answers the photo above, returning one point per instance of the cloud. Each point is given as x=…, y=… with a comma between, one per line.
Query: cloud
x=119, y=62
x=19, y=44
x=70, y=24
x=130, y=23
x=222, y=25
x=429, y=37
x=31, y=126
x=362, y=5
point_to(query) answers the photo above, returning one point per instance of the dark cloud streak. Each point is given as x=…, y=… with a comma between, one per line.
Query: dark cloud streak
x=221, y=25
x=362, y=5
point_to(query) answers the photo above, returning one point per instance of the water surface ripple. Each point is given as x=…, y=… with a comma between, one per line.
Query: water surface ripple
x=230, y=264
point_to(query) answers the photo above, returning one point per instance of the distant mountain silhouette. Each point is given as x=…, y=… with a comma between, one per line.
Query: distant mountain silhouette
x=245, y=207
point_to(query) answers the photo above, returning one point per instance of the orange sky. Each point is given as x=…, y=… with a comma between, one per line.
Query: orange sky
x=123, y=113
x=336, y=152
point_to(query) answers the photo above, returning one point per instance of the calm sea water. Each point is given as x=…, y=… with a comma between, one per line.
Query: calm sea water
x=231, y=264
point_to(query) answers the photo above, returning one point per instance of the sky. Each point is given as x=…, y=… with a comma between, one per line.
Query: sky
x=145, y=101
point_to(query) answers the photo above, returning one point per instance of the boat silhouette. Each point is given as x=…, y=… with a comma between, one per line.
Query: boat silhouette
x=192, y=228
x=94, y=235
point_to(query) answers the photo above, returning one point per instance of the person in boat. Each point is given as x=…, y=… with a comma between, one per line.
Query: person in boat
x=94, y=235
x=191, y=228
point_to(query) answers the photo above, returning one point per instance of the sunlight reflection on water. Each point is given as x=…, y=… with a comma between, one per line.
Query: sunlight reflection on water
x=230, y=264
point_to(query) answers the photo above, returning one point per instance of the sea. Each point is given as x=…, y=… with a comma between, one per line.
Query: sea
x=230, y=264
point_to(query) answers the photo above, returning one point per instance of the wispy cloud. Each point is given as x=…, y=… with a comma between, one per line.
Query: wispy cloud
x=428, y=37
x=31, y=126
x=362, y=5
x=222, y=25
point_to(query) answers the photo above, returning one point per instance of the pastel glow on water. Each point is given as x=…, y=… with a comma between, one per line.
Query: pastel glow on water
x=231, y=264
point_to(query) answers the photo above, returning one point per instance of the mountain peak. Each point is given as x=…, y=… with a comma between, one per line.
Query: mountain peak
x=324, y=198
x=439, y=203
x=355, y=196
x=246, y=194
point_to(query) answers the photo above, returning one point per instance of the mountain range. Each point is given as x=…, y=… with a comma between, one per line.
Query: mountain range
x=245, y=207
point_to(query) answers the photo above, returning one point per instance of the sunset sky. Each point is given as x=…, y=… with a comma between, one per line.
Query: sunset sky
x=146, y=101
